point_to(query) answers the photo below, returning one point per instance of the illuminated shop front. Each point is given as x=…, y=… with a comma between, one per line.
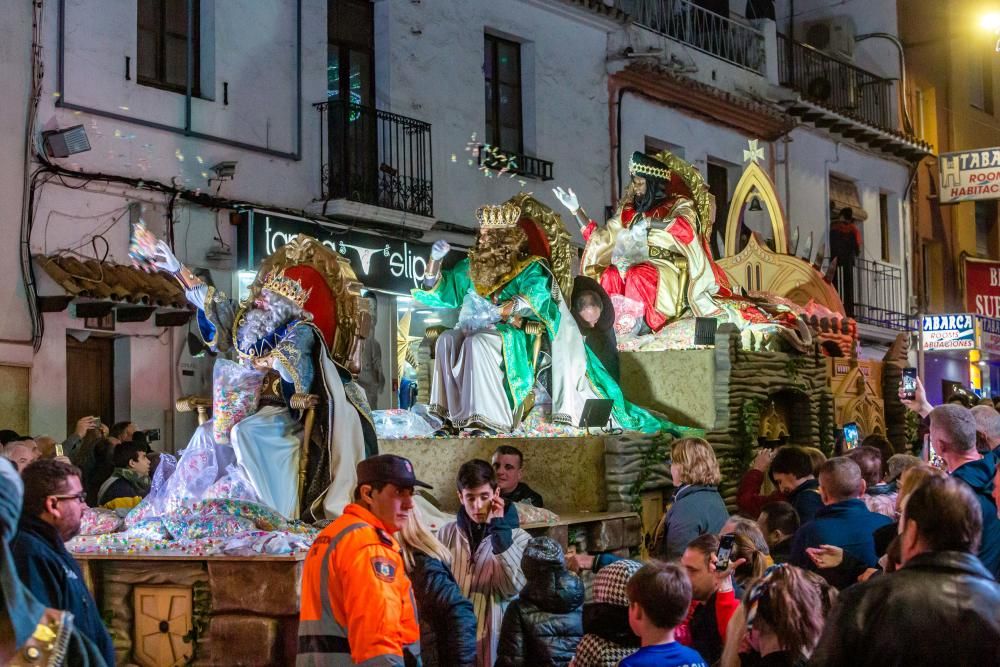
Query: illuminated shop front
x=388, y=268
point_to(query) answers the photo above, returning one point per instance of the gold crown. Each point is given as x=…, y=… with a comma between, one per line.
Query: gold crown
x=503, y=216
x=642, y=169
x=278, y=283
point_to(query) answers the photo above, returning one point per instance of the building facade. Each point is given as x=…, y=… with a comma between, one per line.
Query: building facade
x=382, y=126
x=953, y=97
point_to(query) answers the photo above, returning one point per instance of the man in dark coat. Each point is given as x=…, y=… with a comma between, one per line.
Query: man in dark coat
x=940, y=608
x=53, y=505
x=545, y=623
x=844, y=521
x=953, y=434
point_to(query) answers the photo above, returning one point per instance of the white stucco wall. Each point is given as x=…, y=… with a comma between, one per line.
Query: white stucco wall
x=434, y=72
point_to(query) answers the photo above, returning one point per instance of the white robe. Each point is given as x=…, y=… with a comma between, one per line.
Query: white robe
x=467, y=383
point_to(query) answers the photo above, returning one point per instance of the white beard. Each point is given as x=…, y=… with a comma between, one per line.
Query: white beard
x=258, y=323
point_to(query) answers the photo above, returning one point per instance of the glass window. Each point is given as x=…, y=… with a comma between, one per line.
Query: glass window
x=162, y=44
x=502, y=74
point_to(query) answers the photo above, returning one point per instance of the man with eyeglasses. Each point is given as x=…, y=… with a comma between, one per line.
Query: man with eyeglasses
x=54, y=500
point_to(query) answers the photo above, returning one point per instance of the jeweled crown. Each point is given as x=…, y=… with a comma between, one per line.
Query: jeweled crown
x=502, y=216
x=278, y=283
x=639, y=167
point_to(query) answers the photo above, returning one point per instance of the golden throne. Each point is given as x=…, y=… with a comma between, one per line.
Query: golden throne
x=548, y=238
x=338, y=313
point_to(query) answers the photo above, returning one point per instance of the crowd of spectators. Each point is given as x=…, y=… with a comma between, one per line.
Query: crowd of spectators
x=872, y=557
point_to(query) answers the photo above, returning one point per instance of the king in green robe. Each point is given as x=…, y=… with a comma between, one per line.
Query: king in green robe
x=485, y=367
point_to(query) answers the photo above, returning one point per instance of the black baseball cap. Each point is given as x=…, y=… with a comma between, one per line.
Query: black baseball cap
x=389, y=468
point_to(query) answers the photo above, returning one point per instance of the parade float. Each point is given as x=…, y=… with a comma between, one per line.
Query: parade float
x=753, y=349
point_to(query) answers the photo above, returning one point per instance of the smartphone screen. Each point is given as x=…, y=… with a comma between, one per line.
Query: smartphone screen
x=852, y=436
x=726, y=543
x=930, y=454
x=909, y=383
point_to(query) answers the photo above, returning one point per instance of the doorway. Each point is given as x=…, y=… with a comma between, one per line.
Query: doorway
x=90, y=379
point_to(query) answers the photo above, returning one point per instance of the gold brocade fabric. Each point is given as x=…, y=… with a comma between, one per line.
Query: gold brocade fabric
x=666, y=254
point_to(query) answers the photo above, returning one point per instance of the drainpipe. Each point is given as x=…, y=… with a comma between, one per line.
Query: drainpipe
x=189, y=82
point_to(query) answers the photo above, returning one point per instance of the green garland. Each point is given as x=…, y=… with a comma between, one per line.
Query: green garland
x=201, y=611
x=657, y=452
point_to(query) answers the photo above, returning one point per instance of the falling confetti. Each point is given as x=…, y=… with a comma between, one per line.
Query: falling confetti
x=179, y=155
x=57, y=94
x=118, y=134
x=198, y=158
x=123, y=108
x=454, y=158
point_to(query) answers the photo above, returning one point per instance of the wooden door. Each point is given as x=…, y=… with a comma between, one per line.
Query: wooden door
x=90, y=380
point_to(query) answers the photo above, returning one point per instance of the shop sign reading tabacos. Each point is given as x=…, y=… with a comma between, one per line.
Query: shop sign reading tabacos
x=989, y=340
x=380, y=262
x=969, y=175
x=949, y=332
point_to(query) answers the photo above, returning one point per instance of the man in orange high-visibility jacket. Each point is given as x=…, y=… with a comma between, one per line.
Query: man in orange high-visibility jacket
x=357, y=602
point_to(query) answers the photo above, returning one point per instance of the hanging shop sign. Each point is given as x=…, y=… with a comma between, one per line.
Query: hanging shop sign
x=380, y=262
x=989, y=335
x=949, y=332
x=982, y=287
x=969, y=175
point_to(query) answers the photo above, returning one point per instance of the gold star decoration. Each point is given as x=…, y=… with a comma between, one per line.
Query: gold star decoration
x=405, y=344
x=753, y=152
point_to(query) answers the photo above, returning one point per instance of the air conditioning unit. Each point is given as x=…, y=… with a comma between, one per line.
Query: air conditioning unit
x=833, y=35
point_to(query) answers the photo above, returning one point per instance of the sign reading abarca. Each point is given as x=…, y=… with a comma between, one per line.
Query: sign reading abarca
x=949, y=332
x=969, y=175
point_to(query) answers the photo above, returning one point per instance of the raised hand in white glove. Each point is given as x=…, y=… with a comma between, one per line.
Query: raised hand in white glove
x=165, y=259
x=567, y=198
x=440, y=249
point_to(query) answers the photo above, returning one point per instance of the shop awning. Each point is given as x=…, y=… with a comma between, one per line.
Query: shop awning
x=844, y=193
x=97, y=288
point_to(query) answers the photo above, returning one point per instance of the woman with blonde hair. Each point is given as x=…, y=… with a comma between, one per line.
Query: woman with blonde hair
x=447, y=618
x=780, y=619
x=697, y=507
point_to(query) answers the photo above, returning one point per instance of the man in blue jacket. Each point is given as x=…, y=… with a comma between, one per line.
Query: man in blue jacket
x=953, y=435
x=843, y=521
x=53, y=504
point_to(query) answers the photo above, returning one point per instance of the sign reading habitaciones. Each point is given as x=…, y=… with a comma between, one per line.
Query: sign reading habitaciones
x=969, y=175
x=380, y=262
x=949, y=332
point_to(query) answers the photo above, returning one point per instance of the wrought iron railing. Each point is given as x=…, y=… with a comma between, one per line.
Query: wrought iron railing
x=835, y=84
x=872, y=293
x=375, y=157
x=514, y=163
x=722, y=37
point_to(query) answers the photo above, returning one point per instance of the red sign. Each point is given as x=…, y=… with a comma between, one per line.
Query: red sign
x=982, y=287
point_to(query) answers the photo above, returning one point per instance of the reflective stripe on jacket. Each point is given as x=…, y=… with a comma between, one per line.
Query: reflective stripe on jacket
x=357, y=602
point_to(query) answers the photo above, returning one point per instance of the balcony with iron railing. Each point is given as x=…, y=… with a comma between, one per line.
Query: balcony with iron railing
x=375, y=157
x=872, y=293
x=834, y=84
x=728, y=39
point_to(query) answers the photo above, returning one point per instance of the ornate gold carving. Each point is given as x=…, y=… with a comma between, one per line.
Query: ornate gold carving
x=756, y=181
x=759, y=269
x=503, y=216
x=561, y=253
x=353, y=319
